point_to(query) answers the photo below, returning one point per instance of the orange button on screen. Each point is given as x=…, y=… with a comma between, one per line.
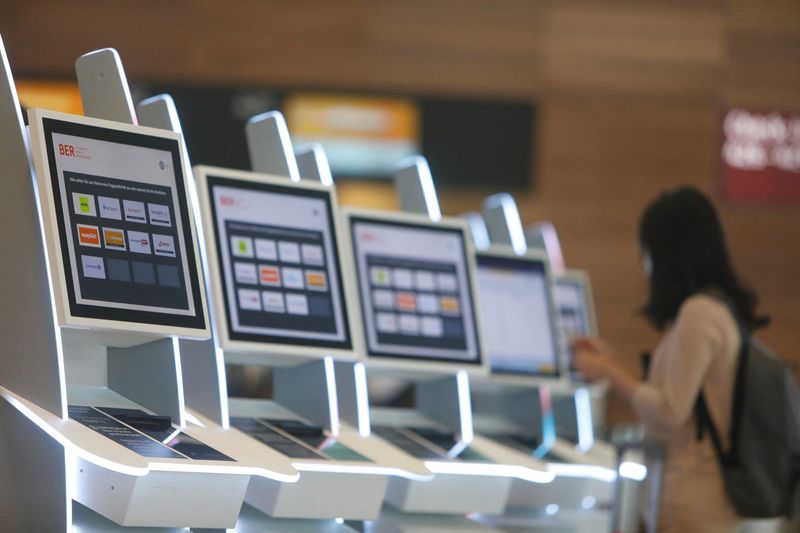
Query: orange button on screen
x=88, y=235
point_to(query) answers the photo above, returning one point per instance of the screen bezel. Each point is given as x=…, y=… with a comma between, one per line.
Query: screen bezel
x=251, y=347
x=417, y=364
x=43, y=124
x=581, y=277
x=531, y=256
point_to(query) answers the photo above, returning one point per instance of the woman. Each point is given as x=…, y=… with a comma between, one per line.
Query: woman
x=695, y=301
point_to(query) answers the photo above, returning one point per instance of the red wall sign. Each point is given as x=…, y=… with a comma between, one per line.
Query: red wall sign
x=761, y=156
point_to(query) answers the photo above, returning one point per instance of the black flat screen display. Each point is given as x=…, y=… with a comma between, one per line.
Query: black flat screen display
x=123, y=222
x=277, y=252
x=415, y=291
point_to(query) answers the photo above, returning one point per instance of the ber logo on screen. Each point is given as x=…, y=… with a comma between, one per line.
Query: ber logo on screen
x=66, y=150
x=231, y=201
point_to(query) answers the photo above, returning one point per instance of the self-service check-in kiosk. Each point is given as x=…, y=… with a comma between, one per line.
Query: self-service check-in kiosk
x=114, y=398
x=93, y=408
x=585, y=467
x=573, y=293
x=281, y=293
x=418, y=304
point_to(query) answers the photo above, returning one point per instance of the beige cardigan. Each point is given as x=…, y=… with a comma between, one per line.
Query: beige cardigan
x=700, y=349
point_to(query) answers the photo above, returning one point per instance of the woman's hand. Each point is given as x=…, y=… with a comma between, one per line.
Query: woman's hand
x=596, y=361
x=593, y=359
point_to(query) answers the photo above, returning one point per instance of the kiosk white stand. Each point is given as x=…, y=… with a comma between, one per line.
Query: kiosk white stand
x=204, y=368
x=543, y=236
x=521, y=338
x=92, y=386
x=470, y=475
x=344, y=469
x=570, y=401
x=586, y=467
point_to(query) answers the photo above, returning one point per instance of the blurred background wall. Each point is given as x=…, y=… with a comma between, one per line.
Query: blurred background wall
x=630, y=98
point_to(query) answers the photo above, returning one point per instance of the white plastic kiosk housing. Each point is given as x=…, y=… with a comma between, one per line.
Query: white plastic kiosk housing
x=570, y=397
x=281, y=289
x=92, y=386
x=543, y=236
x=478, y=230
x=512, y=409
x=585, y=467
x=205, y=370
x=513, y=406
x=415, y=272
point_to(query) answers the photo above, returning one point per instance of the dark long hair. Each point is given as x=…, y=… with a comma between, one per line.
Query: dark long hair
x=682, y=234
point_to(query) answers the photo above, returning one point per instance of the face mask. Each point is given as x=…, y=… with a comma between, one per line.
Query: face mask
x=647, y=265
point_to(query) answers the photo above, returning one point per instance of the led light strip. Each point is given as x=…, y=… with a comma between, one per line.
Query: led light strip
x=362, y=400
x=486, y=469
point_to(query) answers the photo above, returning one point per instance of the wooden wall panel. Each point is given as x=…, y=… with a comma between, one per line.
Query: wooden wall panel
x=764, y=54
x=662, y=49
x=456, y=45
x=631, y=97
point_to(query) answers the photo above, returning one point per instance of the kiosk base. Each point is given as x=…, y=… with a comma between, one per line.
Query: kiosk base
x=87, y=521
x=51, y=460
x=552, y=521
x=161, y=498
x=563, y=492
x=252, y=521
x=458, y=486
x=392, y=521
x=352, y=489
x=320, y=495
x=450, y=493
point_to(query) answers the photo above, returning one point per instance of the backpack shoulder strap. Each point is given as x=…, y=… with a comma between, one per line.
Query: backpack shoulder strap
x=703, y=418
x=739, y=391
x=704, y=422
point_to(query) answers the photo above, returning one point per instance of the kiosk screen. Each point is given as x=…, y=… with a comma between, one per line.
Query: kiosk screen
x=122, y=213
x=515, y=306
x=572, y=310
x=415, y=290
x=278, y=257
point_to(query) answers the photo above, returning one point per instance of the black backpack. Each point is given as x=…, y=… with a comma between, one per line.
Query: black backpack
x=761, y=470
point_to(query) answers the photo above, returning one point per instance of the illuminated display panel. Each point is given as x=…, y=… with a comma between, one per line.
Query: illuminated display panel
x=573, y=310
x=517, y=322
x=277, y=254
x=415, y=290
x=121, y=208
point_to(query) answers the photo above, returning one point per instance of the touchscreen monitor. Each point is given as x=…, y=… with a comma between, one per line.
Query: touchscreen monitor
x=276, y=253
x=122, y=232
x=414, y=281
x=517, y=314
x=573, y=300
